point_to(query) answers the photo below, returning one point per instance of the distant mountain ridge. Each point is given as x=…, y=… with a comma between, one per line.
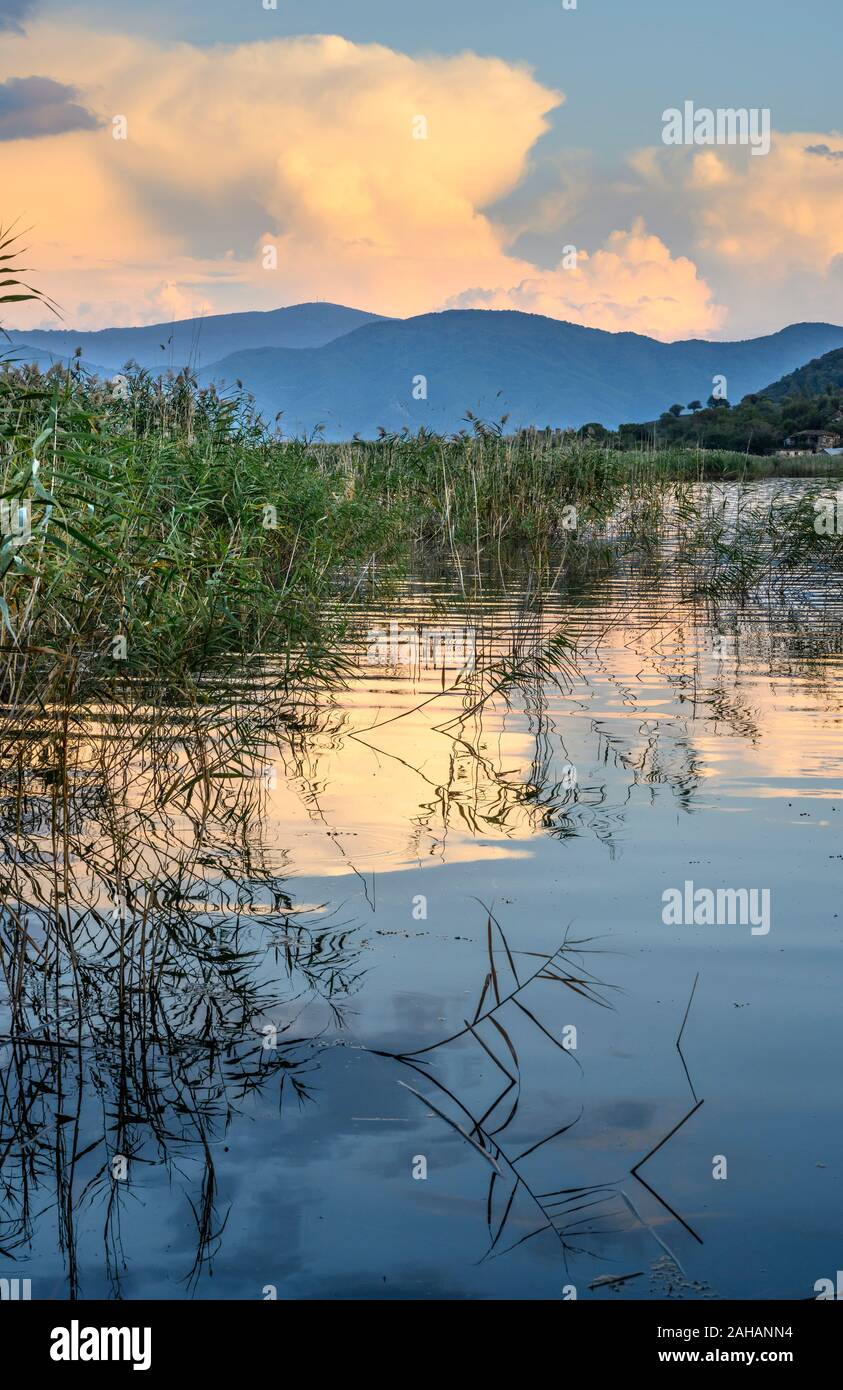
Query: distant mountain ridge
x=353, y=372
x=15, y=354
x=536, y=370
x=198, y=341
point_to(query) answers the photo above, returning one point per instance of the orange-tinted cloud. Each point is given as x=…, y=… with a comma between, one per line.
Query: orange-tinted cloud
x=307, y=146
x=778, y=213
x=767, y=232
x=632, y=284
x=303, y=144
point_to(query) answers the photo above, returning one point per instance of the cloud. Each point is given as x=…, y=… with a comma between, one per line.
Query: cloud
x=12, y=12
x=824, y=152
x=307, y=146
x=303, y=144
x=632, y=284
x=764, y=236
x=766, y=219
x=37, y=106
x=767, y=233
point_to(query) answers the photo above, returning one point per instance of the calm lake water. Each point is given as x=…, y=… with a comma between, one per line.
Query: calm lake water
x=452, y=881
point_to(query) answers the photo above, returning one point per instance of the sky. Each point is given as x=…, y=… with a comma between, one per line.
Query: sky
x=411, y=157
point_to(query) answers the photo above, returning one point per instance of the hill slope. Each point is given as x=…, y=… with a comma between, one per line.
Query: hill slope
x=199, y=341
x=822, y=376
x=18, y=353
x=537, y=370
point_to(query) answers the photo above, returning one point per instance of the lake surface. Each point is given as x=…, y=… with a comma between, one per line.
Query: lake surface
x=448, y=877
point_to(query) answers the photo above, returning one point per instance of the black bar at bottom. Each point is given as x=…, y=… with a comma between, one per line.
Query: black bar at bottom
x=263, y=1338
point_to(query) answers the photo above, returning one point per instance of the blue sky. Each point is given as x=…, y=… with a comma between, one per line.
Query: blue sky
x=677, y=243
x=621, y=62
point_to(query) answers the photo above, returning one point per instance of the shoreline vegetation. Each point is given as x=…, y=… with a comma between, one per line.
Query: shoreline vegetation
x=152, y=529
x=177, y=590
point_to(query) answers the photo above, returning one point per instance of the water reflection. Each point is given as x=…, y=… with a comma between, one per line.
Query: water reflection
x=155, y=972
x=229, y=932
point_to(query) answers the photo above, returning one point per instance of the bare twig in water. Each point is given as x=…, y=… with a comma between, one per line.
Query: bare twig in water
x=634, y=1171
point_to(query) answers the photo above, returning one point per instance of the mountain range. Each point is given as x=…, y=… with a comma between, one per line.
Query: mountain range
x=193, y=342
x=353, y=372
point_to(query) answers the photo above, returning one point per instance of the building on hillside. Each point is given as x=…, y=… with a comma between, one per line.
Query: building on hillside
x=811, y=442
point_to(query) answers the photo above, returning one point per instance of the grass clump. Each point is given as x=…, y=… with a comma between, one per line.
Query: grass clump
x=153, y=529
x=178, y=547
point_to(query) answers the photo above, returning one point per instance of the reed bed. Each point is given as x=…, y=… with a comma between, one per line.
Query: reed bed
x=155, y=530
